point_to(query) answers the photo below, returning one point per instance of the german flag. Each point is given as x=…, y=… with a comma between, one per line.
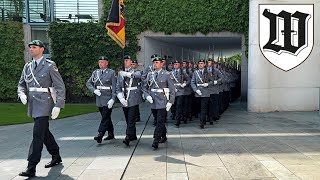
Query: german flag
x=115, y=23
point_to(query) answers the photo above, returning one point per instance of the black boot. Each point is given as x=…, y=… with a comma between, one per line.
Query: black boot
x=30, y=171
x=133, y=138
x=126, y=141
x=99, y=137
x=163, y=139
x=155, y=144
x=56, y=159
x=185, y=120
x=110, y=136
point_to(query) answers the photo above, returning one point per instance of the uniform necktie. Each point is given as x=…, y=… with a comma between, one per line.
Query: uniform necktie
x=35, y=64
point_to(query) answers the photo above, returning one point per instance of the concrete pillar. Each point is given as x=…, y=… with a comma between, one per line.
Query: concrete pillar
x=100, y=9
x=27, y=39
x=244, y=72
x=271, y=89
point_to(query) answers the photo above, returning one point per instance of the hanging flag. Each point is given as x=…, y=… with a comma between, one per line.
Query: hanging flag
x=115, y=23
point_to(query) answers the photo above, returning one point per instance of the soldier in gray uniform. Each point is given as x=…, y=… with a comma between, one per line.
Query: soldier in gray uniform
x=180, y=82
x=188, y=92
x=200, y=83
x=214, y=92
x=135, y=65
x=159, y=90
x=103, y=84
x=42, y=87
x=129, y=95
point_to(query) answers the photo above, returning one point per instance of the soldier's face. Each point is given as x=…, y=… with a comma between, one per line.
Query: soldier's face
x=215, y=65
x=157, y=65
x=127, y=63
x=176, y=65
x=184, y=64
x=190, y=65
x=36, y=51
x=164, y=62
x=103, y=64
x=201, y=65
x=134, y=65
x=209, y=63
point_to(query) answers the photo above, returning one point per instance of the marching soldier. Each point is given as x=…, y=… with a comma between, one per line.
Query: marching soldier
x=200, y=83
x=150, y=68
x=214, y=92
x=134, y=66
x=159, y=90
x=129, y=95
x=170, y=66
x=103, y=84
x=42, y=87
x=188, y=92
x=180, y=82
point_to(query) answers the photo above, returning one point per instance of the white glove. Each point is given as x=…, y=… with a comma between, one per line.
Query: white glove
x=205, y=84
x=198, y=92
x=23, y=99
x=125, y=74
x=168, y=106
x=183, y=85
x=110, y=103
x=55, y=112
x=97, y=92
x=215, y=82
x=149, y=98
x=124, y=102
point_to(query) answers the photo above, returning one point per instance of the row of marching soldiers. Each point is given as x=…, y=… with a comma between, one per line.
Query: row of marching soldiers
x=204, y=87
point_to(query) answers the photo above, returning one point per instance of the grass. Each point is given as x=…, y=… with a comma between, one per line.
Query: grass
x=16, y=113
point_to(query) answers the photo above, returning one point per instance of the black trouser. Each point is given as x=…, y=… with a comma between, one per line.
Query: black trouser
x=204, y=108
x=130, y=114
x=138, y=113
x=41, y=135
x=106, y=122
x=173, y=109
x=226, y=99
x=214, y=106
x=179, y=108
x=195, y=105
x=160, y=130
x=187, y=106
x=221, y=102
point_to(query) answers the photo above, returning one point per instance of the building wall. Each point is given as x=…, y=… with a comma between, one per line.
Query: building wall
x=271, y=89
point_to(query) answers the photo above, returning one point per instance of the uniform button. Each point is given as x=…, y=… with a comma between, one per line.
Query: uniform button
x=32, y=96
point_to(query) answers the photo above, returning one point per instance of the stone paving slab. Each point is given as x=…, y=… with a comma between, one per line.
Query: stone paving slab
x=242, y=145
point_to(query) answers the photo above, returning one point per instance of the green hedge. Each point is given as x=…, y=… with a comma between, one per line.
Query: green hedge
x=75, y=47
x=11, y=59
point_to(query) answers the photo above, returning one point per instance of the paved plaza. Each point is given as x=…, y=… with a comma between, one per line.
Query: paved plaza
x=242, y=145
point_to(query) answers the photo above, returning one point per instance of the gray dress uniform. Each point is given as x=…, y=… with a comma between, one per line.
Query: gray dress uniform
x=36, y=82
x=130, y=90
x=160, y=86
x=180, y=78
x=214, y=96
x=199, y=78
x=105, y=81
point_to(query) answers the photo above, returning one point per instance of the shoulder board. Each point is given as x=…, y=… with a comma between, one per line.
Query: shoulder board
x=51, y=62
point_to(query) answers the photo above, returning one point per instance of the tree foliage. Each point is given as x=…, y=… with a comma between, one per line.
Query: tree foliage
x=11, y=59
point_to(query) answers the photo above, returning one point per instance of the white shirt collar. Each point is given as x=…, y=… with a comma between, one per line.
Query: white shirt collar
x=38, y=60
